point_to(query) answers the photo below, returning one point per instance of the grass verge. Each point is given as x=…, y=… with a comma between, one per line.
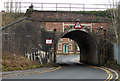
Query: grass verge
x=113, y=65
x=12, y=62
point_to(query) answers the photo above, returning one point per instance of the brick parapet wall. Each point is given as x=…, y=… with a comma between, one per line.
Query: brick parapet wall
x=66, y=16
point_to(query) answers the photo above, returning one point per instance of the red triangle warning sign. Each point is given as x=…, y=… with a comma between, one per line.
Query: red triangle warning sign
x=78, y=25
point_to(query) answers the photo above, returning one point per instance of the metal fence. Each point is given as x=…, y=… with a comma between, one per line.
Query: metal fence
x=22, y=6
x=117, y=53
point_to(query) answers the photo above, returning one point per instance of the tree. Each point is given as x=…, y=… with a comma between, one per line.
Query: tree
x=29, y=10
x=115, y=14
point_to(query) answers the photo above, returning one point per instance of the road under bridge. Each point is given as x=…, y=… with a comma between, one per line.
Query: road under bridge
x=87, y=44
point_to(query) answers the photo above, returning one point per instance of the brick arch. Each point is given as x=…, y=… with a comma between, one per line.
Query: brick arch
x=87, y=44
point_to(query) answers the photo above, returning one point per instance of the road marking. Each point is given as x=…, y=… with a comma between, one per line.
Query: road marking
x=52, y=70
x=78, y=60
x=114, y=72
x=40, y=72
x=110, y=75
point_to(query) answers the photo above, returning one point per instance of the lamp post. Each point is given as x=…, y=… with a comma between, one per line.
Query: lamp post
x=54, y=44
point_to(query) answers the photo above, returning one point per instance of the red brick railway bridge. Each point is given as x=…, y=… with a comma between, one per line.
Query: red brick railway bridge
x=28, y=35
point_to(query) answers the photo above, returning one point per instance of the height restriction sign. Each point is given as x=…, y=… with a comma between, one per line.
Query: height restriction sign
x=78, y=25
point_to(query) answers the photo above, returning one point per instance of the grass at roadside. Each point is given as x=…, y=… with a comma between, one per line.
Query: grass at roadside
x=112, y=65
x=17, y=62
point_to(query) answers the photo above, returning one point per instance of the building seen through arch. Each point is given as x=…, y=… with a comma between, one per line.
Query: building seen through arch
x=67, y=46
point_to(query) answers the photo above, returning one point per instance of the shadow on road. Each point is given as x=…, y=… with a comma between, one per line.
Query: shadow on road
x=70, y=64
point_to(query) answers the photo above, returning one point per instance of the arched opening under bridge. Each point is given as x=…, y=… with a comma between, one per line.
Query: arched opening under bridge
x=87, y=45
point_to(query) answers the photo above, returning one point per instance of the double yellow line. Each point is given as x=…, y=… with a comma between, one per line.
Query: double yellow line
x=109, y=78
x=51, y=70
x=39, y=72
x=110, y=75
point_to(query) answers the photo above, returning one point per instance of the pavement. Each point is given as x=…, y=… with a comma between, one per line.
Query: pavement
x=69, y=69
x=26, y=72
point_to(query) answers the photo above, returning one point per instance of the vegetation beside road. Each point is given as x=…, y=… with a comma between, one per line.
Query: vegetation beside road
x=17, y=62
x=112, y=65
x=8, y=18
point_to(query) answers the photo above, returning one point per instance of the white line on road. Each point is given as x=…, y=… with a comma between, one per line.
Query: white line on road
x=114, y=72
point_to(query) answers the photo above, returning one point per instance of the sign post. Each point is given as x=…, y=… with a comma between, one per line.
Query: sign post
x=78, y=25
x=49, y=42
x=54, y=46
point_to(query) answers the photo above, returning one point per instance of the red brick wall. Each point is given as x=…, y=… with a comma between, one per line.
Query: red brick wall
x=69, y=44
x=52, y=25
x=59, y=25
x=65, y=16
x=98, y=25
x=58, y=18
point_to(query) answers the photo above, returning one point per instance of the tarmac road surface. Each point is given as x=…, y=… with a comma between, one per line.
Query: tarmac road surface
x=70, y=69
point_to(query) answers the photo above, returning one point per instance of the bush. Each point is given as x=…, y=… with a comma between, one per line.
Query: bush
x=12, y=62
x=112, y=65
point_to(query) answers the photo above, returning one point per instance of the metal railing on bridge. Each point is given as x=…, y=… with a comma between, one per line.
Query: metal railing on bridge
x=22, y=6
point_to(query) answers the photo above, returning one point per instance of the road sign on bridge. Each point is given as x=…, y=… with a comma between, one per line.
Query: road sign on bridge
x=49, y=41
x=78, y=25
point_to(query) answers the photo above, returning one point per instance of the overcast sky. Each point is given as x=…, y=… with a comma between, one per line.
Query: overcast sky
x=61, y=1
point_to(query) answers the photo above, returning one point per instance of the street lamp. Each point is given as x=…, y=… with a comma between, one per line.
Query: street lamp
x=54, y=44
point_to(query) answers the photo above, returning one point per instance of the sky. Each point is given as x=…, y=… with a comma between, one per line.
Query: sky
x=61, y=1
